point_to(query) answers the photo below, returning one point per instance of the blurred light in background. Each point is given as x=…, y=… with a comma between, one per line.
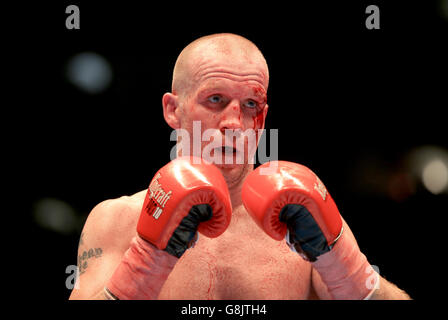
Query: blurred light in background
x=429, y=164
x=435, y=176
x=419, y=169
x=89, y=72
x=443, y=8
x=56, y=215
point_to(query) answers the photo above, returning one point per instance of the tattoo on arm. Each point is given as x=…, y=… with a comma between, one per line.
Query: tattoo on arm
x=86, y=255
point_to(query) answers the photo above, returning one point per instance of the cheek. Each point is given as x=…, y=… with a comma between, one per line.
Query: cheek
x=196, y=112
x=189, y=109
x=208, y=120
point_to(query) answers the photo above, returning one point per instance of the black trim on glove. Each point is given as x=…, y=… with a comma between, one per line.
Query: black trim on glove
x=305, y=235
x=185, y=234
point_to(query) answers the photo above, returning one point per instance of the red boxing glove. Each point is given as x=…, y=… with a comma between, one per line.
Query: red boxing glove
x=183, y=198
x=293, y=203
x=293, y=197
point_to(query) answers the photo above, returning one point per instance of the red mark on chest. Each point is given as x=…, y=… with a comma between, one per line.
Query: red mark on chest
x=211, y=283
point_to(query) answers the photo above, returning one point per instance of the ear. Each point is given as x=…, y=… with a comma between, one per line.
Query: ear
x=170, y=104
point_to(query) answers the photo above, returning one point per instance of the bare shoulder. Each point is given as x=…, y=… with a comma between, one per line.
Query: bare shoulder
x=106, y=236
x=124, y=208
x=113, y=222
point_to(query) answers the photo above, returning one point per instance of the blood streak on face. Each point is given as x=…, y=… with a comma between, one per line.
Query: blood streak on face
x=258, y=120
x=260, y=93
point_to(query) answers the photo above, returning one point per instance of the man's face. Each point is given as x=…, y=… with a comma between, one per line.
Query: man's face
x=225, y=103
x=219, y=100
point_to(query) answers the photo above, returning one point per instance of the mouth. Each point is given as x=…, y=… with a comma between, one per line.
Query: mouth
x=226, y=156
x=228, y=150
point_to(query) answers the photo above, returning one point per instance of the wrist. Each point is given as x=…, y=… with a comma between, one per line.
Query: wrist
x=141, y=273
x=346, y=271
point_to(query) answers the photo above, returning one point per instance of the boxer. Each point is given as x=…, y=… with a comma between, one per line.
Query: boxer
x=256, y=239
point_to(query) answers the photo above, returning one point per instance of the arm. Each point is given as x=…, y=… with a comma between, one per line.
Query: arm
x=100, y=251
x=293, y=203
x=389, y=291
x=140, y=245
x=386, y=290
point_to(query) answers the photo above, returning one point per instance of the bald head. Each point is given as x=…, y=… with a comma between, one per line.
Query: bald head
x=224, y=51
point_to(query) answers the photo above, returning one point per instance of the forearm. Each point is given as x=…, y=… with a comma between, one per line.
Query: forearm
x=141, y=273
x=389, y=291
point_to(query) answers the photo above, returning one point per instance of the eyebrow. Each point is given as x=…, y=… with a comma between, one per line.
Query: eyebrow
x=217, y=90
x=207, y=91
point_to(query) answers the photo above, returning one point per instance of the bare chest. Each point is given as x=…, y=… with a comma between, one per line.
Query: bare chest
x=235, y=266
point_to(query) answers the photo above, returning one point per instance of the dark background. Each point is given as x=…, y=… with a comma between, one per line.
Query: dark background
x=350, y=103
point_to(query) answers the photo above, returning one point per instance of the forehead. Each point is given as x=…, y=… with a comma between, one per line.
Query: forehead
x=230, y=76
x=227, y=82
x=236, y=70
x=232, y=62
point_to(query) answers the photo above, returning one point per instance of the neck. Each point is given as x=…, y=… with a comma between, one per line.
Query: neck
x=235, y=181
x=235, y=195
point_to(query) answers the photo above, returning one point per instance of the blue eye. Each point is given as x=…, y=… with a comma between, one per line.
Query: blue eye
x=251, y=104
x=215, y=99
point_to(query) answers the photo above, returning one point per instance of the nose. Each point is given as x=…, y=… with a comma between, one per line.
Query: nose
x=232, y=118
